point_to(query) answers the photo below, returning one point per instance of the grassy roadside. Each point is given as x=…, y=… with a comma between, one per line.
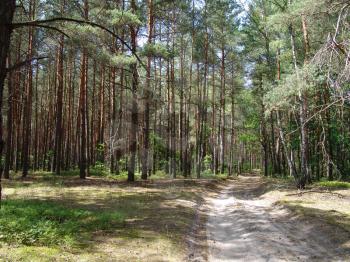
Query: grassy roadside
x=326, y=201
x=50, y=218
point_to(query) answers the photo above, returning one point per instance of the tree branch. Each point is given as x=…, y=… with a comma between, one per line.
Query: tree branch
x=20, y=64
x=66, y=19
x=51, y=28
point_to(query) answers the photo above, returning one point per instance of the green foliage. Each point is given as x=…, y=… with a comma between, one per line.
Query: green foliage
x=207, y=161
x=114, y=59
x=49, y=154
x=156, y=50
x=208, y=174
x=160, y=174
x=121, y=60
x=158, y=143
x=334, y=184
x=117, y=17
x=81, y=35
x=99, y=169
x=163, y=164
x=248, y=138
x=282, y=96
x=100, y=147
x=35, y=222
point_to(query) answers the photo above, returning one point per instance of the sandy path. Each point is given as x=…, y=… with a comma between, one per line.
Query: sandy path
x=242, y=227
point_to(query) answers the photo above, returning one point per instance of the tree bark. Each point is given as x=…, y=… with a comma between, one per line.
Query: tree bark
x=83, y=106
x=222, y=109
x=134, y=106
x=27, y=116
x=145, y=151
x=59, y=103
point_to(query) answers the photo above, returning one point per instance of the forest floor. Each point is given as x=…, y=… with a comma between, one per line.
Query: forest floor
x=249, y=218
x=257, y=219
x=48, y=218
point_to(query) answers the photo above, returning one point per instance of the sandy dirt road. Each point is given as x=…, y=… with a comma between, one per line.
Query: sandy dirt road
x=243, y=227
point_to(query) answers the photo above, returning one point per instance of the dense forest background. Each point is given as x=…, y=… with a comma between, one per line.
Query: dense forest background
x=185, y=87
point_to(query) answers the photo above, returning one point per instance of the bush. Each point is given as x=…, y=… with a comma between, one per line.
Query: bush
x=34, y=222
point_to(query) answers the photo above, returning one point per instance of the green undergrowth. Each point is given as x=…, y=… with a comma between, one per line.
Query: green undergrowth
x=208, y=174
x=46, y=217
x=280, y=183
x=101, y=171
x=334, y=184
x=38, y=222
x=285, y=180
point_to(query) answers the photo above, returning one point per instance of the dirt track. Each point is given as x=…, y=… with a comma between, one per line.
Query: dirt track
x=243, y=227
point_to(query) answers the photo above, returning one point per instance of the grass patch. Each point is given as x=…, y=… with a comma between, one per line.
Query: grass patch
x=331, y=217
x=31, y=253
x=207, y=174
x=35, y=222
x=334, y=184
x=46, y=217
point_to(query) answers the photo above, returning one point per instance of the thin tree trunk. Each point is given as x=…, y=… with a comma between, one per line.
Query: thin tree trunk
x=302, y=178
x=9, y=139
x=83, y=106
x=27, y=117
x=134, y=107
x=231, y=171
x=59, y=112
x=222, y=109
x=145, y=150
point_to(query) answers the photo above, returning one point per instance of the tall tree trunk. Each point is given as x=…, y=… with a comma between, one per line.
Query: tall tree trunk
x=101, y=116
x=83, y=105
x=120, y=124
x=203, y=103
x=92, y=118
x=59, y=104
x=27, y=116
x=10, y=87
x=82, y=116
x=7, y=9
x=288, y=155
x=112, y=125
x=303, y=176
x=231, y=171
x=134, y=106
x=36, y=112
x=172, y=107
x=70, y=98
x=222, y=110
x=263, y=132
x=213, y=122
x=182, y=143
x=145, y=151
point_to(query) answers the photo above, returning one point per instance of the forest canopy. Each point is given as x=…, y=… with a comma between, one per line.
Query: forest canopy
x=185, y=87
